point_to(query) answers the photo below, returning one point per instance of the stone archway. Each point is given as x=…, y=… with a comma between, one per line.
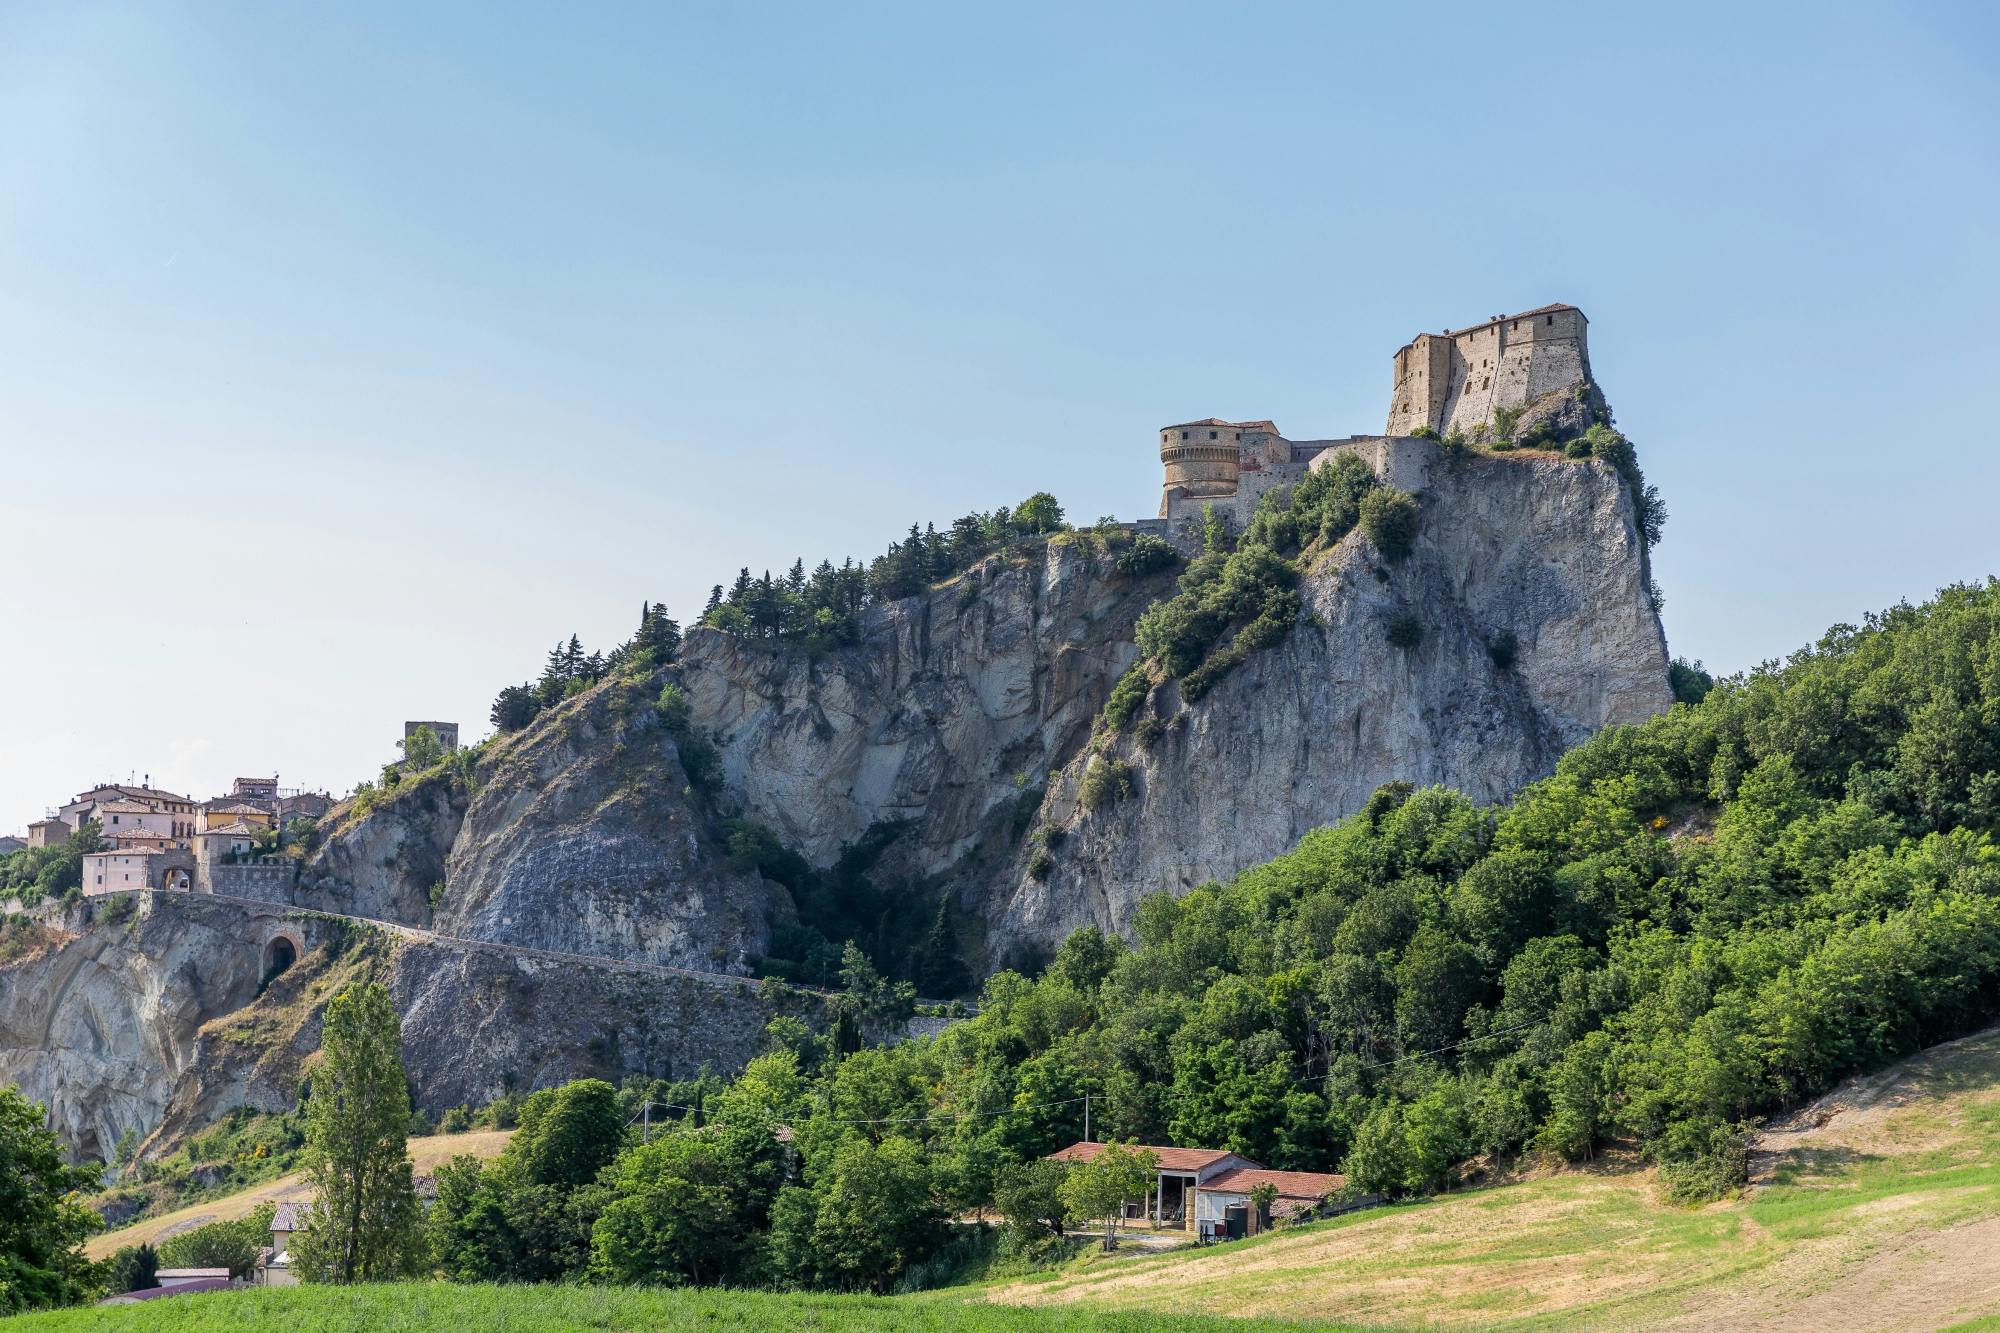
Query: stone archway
x=177, y=880
x=285, y=947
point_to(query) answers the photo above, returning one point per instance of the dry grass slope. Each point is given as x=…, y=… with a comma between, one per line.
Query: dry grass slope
x=1876, y=1208
x=425, y=1153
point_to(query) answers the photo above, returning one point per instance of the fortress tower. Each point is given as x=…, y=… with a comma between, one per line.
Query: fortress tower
x=1202, y=460
x=1456, y=381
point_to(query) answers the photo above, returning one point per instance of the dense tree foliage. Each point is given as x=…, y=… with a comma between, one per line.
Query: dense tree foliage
x=130, y=1268
x=232, y=1244
x=42, y=1224
x=825, y=607
x=35, y=874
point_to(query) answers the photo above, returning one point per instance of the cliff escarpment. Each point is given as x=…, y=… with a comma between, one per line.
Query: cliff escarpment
x=1528, y=627
x=1518, y=624
x=517, y=895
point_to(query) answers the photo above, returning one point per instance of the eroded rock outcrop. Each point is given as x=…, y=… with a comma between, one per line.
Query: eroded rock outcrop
x=961, y=717
x=960, y=700
x=1532, y=629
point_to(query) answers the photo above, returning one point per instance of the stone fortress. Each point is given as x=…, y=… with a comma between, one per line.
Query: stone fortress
x=1455, y=382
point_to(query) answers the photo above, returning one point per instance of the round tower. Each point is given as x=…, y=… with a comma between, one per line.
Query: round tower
x=1201, y=461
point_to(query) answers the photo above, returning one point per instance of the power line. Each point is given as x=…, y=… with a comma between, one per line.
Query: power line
x=1418, y=1055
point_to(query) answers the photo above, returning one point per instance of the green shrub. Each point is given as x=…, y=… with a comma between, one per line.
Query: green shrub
x=1126, y=696
x=673, y=708
x=702, y=763
x=1389, y=517
x=1404, y=630
x=1696, y=1168
x=1146, y=555
x=1106, y=779
x=1424, y=433
x=231, y=1245
x=131, y=1268
x=1689, y=681
x=1040, y=864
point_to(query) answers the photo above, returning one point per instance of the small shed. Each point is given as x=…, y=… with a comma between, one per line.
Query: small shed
x=1179, y=1175
x=1223, y=1210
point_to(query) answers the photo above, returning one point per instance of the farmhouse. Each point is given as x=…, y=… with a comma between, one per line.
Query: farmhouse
x=1208, y=1190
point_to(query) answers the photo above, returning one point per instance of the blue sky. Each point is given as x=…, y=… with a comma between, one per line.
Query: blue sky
x=351, y=355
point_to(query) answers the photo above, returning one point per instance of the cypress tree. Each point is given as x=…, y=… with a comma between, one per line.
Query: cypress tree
x=365, y=1225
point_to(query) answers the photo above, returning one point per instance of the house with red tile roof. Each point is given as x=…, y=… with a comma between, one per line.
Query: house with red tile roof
x=1207, y=1190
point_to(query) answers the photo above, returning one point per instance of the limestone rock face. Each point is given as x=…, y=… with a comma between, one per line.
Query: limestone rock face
x=104, y=1026
x=957, y=701
x=1539, y=552
x=580, y=835
x=953, y=704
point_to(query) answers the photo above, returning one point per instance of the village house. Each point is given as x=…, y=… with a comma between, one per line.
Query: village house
x=1208, y=1191
x=50, y=832
x=9, y=844
x=137, y=868
x=128, y=823
x=178, y=810
x=287, y=1220
x=227, y=810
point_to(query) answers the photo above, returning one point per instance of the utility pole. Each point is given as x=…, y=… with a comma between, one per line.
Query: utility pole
x=646, y=1133
x=1086, y=1118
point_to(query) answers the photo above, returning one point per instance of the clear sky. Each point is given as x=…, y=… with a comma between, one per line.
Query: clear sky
x=351, y=355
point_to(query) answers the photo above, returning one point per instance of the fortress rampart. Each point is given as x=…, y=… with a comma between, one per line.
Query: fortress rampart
x=1444, y=382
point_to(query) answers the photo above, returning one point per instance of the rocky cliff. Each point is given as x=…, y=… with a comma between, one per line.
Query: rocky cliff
x=1532, y=629
x=959, y=702
x=962, y=719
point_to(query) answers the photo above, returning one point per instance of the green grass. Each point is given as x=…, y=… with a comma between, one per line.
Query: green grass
x=476, y=1309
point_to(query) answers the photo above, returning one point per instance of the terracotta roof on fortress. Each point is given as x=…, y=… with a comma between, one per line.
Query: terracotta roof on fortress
x=125, y=808
x=238, y=829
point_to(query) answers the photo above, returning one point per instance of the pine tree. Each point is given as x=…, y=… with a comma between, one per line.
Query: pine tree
x=714, y=600
x=659, y=633
x=365, y=1225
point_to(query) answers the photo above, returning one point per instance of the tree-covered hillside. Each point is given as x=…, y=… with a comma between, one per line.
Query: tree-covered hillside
x=1692, y=922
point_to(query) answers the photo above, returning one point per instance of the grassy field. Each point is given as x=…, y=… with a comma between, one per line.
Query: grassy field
x=426, y=1153
x=407, y=1307
x=1877, y=1208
